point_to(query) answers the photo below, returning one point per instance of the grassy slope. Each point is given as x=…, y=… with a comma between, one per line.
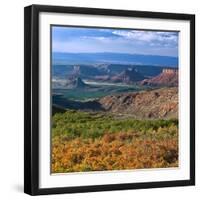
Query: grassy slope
x=85, y=141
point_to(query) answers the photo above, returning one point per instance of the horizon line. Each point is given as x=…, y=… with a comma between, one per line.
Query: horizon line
x=114, y=53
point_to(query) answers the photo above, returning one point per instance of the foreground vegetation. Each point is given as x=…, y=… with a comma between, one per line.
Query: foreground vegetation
x=83, y=141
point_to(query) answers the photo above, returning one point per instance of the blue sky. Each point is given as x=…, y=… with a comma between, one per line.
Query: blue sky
x=92, y=40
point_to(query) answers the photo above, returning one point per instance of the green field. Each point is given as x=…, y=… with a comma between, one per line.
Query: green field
x=96, y=91
x=74, y=124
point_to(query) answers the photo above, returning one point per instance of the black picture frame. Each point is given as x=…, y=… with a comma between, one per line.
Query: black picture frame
x=31, y=99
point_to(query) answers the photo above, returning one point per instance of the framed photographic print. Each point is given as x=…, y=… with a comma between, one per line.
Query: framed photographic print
x=109, y=100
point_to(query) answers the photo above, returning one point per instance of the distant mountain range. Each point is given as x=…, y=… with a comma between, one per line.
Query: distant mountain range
x=106, y=67
x=74, y=78
x=128, y=76
x=167, y=78
x=112, y=58
x=105, y=71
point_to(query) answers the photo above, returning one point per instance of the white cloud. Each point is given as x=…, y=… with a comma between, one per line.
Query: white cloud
x=153, y=37
x=98, y=38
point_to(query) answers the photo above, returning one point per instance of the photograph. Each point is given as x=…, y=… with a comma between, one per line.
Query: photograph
x=114, y=99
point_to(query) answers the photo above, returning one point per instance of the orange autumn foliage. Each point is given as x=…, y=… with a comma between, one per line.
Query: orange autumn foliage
x=113, y=151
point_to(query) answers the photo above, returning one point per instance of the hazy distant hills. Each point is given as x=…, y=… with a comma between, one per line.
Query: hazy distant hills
x=113, y=68
x=104, y=71
x=128, y=76
x=83, y=70
x=114, y=58
x=73, y=76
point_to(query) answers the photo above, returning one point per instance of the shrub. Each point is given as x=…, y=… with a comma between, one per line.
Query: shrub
x=83, y=141
x=94, y=125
